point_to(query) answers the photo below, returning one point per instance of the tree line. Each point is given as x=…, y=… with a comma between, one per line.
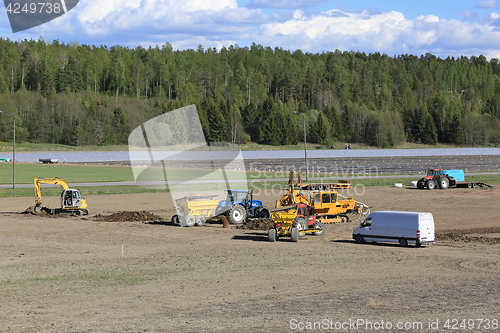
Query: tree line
x=94, y=95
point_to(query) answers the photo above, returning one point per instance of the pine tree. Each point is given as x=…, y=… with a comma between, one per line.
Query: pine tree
x=321, y=132
x=120, y=125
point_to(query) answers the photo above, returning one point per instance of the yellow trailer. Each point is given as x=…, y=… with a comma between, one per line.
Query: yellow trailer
x=194, y=210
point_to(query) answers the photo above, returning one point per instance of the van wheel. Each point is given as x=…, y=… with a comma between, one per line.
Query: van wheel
x=403, y=242
x=360, y=239
x=418, y=244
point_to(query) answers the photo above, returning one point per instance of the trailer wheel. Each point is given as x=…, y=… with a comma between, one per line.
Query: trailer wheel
x=403, y=242
x=444, y=183
x=318, y=224
x=200, y=220
x=430, y=185
x=469, y=185
x=294, y=235
x=271, y=235
x=360, y=239
x=301, y=224
x=189, y=221
x=175, y=219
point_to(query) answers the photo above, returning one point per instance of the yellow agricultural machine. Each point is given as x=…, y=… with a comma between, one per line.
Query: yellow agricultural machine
x=324, y=201
x=71, y=200
x=293, y=221
x=194, y=210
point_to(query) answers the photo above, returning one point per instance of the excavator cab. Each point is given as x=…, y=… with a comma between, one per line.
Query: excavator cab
x=71, y=198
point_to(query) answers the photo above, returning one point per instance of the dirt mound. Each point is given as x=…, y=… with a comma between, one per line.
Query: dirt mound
x=256, y=224
x=124, y=216
x=44, y=211
x=481, y=235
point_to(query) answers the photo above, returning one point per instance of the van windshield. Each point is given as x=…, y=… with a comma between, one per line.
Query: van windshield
x=367, y=222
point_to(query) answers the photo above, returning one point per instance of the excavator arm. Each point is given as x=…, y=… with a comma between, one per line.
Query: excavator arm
x=38, y=189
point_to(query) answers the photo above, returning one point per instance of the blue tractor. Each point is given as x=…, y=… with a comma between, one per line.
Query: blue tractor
x=239, y=205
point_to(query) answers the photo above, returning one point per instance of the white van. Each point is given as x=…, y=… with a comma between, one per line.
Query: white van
x=396, y=227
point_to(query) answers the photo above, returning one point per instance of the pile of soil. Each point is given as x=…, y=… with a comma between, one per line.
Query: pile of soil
x=135, y=216
x=482, y=235
x=256, y=224
x=44, y=211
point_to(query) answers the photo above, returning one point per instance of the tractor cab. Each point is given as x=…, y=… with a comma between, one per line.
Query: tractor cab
x=237, y=196
x=433, y=173
x=303, y=212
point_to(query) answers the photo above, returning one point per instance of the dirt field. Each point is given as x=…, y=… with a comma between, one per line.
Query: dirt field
x=79, y=274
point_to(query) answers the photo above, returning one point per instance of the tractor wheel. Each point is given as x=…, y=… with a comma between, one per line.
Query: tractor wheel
x=271, y=235
x=444, y=183
x=263, y=213
x=294, y=235
x=237, y=214
x=175, y=219
x=86, y=212
x=320, y=225
x=430, y=185
x=344, y=219
x=189, y=221
x=301, y=224
x=403, y=242
x=360, y=239
x=199, y=220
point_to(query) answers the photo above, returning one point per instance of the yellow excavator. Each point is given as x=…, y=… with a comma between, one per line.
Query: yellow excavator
x=71, y=200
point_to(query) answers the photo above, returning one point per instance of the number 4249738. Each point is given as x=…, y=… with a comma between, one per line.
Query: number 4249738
x=471, y=324
x=34, y=8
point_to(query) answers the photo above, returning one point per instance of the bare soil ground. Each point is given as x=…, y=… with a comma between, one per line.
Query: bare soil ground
x=141, y=274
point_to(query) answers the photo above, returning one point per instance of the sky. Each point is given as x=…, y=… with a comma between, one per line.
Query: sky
x=443, y=28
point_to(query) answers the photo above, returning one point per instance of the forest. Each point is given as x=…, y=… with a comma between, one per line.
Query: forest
x=96, y=95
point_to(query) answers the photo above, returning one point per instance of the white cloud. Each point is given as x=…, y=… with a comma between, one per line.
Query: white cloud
x=389, y=33
x=487, y=4
x=214, y=23
x=290, y=4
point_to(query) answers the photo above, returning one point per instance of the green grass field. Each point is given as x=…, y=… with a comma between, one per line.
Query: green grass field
x=72, y=173
x=77, y=173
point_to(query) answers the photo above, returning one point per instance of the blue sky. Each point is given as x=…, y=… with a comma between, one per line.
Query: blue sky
x=443, y=28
